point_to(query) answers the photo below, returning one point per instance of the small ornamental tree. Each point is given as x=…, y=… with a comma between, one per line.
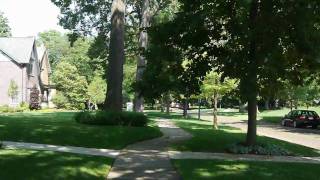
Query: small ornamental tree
x=13, y=89
x=34, y=98
x=213, y=88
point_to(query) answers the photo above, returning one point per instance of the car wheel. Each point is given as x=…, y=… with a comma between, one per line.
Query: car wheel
x=283, y=123
x=295, y=125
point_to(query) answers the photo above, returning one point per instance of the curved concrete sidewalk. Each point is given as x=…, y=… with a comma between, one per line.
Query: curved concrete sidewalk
x=149, y=159
x=69, y=149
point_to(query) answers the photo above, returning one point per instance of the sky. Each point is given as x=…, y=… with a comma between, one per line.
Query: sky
x=29, y=17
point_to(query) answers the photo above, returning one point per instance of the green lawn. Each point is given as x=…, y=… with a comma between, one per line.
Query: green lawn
x=240, y=170
x=207, y=139
x=59, y=128
x=38, y=165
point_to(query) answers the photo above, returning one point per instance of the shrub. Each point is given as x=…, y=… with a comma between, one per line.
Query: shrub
x=259, y=149
x=61, y=101
x=34, y=98
x=6, y=109
x=112, y=118
x=23, y=106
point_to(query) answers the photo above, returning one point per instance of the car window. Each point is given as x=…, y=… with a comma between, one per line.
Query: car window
x=312, y=113
x=297, y=113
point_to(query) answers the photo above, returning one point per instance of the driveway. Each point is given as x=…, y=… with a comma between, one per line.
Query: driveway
x=302, y=136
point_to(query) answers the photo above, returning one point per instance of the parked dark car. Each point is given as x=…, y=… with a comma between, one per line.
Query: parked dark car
x=301, y=118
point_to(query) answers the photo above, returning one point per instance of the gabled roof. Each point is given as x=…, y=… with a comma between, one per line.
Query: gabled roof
x=42, y=55
x=19, y=49
x=41, y=50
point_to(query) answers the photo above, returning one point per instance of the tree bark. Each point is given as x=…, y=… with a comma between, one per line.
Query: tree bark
x=199, y=109
x=252, y=77
x=143, y=45
x=185, y=108
x=167, y=101
x=215, y=110
x=116, y=58
x=266, y=104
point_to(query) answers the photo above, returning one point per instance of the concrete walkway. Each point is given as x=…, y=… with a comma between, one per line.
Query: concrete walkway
x=70, y=149
x=242, y=157
x=149, y=159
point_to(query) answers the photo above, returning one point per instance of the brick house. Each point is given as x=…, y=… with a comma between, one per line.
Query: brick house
x=20, y=64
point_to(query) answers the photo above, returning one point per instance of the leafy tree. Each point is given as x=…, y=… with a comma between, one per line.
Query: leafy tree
x=247, y=40
x=84, y=16
x=56, y=44
x=146, y=10
x=13, y=89
x=5, y=30
x=73, y=85
x=214, y=89
x=97, y=90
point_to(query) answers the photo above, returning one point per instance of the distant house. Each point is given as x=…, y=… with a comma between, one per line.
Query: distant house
x=21, y=65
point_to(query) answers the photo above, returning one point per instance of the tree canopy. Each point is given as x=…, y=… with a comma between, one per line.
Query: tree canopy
x=5, y=30
x=253, y=41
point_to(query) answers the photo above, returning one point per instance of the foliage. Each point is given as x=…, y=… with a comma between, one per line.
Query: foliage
x=129, y=79
x=97, y=90
x=263, y=149
x=212, y=85
x=5, y=30
x=6, y=109
x=23, y=106
x=13, y=89
x=34, y=98
x=68, y=80
x=111, y=118
x=56, y=44
x=61, y=101
x=303, y=95
x=254, y=41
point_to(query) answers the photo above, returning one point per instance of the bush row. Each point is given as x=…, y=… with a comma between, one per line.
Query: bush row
x=21, y=108
x=112, y=118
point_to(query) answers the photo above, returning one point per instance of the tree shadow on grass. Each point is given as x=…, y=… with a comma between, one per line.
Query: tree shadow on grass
x=25, y=164
x=61, y=129
x=217, y=169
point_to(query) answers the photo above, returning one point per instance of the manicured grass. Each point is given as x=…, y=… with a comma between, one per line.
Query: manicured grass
x=240, y=170
x=206, y=139
x=59, y=128
x=38, y=165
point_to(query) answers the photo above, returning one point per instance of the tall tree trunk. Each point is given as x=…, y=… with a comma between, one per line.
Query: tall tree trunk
x=185, y=107
x=143, y=45
x=167, y=101
x=252, y=77
x=266, y=104
x=116, y=58
x=215, y=110
x=199, y=108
